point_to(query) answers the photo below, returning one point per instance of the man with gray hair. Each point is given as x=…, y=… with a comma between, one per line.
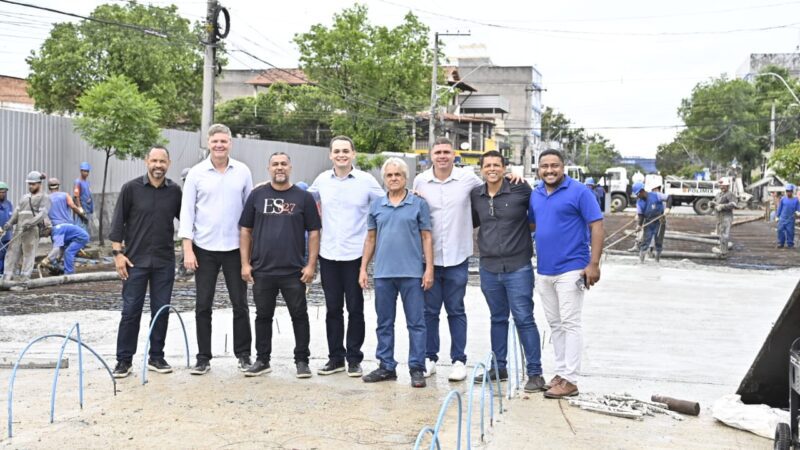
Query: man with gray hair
x=344, y=194
x=213, y=199
x=399, y=236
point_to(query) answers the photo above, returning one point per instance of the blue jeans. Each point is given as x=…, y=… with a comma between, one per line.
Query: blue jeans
x=513, y=292
x=3, y=247
x=650, y=234
x=411, y=294
x=786, y=232
x=134, y=288
x=449, y=287
x=72, y=248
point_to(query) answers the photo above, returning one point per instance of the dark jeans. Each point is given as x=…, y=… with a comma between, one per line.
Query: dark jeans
x=134, y=288
x=449, y=287
x=265, y=292
x=208, y=265
x=3, y=247
x=513, y=293
x=340, y=285
x=411, y=294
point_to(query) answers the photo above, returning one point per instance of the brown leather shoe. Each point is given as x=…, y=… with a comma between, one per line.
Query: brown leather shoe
x=561, y=390
x=553, y=381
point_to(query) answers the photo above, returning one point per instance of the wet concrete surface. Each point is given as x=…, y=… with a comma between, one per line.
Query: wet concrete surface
x=678, y=329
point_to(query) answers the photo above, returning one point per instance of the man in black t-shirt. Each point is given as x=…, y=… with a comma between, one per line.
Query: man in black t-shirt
x=275, y=218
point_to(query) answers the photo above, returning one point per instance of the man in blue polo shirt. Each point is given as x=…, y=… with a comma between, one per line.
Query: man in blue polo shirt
x=565, y=215
x=399, y=235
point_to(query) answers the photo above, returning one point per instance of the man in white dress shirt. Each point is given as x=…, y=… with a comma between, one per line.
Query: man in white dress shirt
x=213, y=199
x=344, y=194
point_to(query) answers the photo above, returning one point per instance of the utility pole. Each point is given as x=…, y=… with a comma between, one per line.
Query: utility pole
x=772, y=130
x=209, y=65
x=434, y=79
x=586, y=160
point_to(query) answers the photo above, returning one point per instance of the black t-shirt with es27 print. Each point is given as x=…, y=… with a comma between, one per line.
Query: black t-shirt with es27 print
x=279, y=220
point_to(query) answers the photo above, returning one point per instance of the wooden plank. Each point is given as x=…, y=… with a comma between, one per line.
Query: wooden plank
x=32, y=362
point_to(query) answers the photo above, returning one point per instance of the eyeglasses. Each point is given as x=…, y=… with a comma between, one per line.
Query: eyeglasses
x=491, y=206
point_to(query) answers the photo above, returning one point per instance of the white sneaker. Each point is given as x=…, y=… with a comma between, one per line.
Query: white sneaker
x=459, y=372
x=430, y=367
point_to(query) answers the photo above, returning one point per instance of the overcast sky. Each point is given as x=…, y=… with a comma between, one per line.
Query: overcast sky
x=616, y=67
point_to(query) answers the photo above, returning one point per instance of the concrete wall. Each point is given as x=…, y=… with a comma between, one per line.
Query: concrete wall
x=232, y=84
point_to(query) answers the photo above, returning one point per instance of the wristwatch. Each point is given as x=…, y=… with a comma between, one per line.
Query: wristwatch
x=116, y=252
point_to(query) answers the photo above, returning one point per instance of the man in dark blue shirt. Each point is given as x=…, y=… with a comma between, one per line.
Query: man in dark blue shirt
x=565, y=214
x=6, y=210
x=144, y=221
x=500, y=209
x=272, y=243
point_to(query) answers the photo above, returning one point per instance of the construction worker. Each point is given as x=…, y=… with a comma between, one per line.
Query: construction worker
x=68, y=240
x=649, y=208
x=788, y=207
x=61, y=205
x=662, y=222
x=724, y=203
x=598, y=191
x=6, y=209
x=82, y=194
x=31, y=211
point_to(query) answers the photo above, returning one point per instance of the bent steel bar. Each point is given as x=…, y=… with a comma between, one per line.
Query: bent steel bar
x=16, y=366
x=512, y=352
x=491, y=360
x=426, y=430
x=440, y=419
x=484, y=382
x=150, y=331
x=77, y=329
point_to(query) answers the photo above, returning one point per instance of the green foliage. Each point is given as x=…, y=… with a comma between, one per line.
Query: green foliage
x=299, y=114
x=786, y=162
x=116, y=118
x=558, y=127
x=77, y=55
x=377, y=75
x=366, y=161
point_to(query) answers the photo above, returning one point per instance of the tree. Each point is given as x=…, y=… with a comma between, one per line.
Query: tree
x=377, y=75
x=117, y=119
x=786, y=162
x=167, y=69
x=558, y=129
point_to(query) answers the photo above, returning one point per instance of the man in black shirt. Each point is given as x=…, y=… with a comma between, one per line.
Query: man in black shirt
x=501, y=210
x=143, y=221
x=275, y=218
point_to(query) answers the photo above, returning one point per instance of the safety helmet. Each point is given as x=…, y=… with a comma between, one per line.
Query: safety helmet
x=724, y=182
x=54, y=182
x=3, y=186
x=589, y=181
x=790, y=187
x=185, y=172
x=34, y=177
x=86, y=166
x=302, y=185
x=637, y=187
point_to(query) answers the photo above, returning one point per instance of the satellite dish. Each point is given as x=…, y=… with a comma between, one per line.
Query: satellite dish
x=465, y=145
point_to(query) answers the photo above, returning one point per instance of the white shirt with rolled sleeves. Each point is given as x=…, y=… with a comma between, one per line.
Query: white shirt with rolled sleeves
x=212, y=204
x=451, y=213
x=344, y=205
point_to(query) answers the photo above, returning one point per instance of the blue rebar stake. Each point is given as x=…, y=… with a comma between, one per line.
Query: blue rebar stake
x=150, y=331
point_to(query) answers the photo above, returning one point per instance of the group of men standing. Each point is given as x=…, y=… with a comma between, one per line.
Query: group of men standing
x=420, y=240
x=39, y=213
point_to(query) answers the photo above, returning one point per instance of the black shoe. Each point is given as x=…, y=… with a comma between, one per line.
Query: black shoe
x=258, y=368
x=159, y=365
x=200, y=368
x=122, y=370
x=302, y=370
x=535, y=384
x=244, y=363
x=379, y=374
x=354, y=370
x=418, y=379
x=331, y=367
x=492, y=376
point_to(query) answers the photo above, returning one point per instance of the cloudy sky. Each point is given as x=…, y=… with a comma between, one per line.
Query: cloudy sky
x=616, y=67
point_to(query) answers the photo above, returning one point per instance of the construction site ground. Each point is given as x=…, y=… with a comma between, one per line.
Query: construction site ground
x=686, y=329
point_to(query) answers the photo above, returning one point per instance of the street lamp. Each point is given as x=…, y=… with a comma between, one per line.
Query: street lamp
x=773, y=74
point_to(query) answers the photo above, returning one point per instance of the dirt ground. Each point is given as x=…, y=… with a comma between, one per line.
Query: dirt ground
x=676, y=329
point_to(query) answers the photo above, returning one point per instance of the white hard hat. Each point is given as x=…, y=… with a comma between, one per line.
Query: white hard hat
x=724, y=181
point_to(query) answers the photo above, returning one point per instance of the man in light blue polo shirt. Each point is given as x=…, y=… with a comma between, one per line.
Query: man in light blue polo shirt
x=562, y=210
x=400, y=237
x=344, y=194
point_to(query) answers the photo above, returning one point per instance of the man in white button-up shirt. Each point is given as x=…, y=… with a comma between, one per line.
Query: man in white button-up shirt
x=213, y=198
x=447, y=189
x=344, y=194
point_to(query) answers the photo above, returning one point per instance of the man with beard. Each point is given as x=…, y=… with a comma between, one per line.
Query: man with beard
x=144, y=254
